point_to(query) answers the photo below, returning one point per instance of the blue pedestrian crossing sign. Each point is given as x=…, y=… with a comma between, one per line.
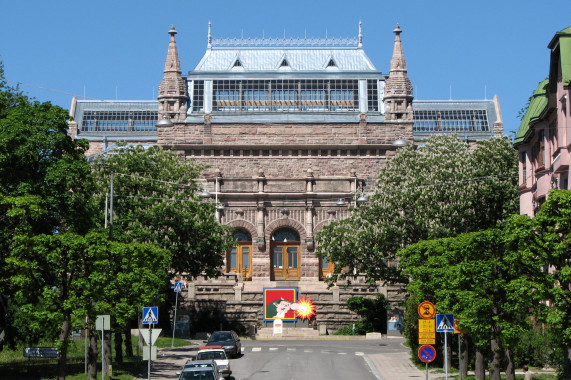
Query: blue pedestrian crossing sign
x=178, y=287
x=150, y=315
x=444, y=322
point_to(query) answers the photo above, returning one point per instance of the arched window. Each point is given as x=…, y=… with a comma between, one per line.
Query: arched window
x=239, y=258
x=285, y=255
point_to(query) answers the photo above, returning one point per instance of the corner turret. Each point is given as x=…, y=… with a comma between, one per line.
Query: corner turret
x=172, y=90
x=398, y=89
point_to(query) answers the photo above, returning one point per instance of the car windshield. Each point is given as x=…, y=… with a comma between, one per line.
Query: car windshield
x=221, y=337
x=202, y=375
x=211, y=355
x=196, y=365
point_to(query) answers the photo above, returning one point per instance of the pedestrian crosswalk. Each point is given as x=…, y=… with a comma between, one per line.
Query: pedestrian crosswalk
x=300, y=349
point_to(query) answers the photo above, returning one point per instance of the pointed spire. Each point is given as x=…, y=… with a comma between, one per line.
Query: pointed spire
x=172, y=89
x=398, y=89
x=360, y=35
x=172, y=63
x=209, y=42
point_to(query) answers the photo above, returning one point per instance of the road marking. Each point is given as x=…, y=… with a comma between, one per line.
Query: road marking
x=256, y=349
x=359, y=353
x=274, y=348
x=307, y=350
x=291, y=349
x=341, y=353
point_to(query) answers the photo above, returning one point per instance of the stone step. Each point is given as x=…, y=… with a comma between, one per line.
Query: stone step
x=301, y=332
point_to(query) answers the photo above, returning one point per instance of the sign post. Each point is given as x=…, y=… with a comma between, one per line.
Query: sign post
x=103, y=322
x=445, y=323
x=177, y=290
x=427, y=354
x=150, y=317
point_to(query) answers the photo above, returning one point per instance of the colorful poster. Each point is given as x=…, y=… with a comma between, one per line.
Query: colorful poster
x=278, y=304
x=282, y=303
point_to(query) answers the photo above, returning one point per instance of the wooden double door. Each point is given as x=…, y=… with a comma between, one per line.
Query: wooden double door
x=285, y=261
x=240, y=260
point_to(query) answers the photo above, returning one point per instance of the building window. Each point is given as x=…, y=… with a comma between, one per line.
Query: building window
x=284, y=95
x=451, y=121
x=285, y=255
x=198, y=96
x=119, y=121
x=541, y=149
x=372, y=96
x=523, y=169
x=553, y=136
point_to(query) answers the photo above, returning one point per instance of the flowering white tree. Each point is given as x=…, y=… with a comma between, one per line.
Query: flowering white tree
x=438, y=189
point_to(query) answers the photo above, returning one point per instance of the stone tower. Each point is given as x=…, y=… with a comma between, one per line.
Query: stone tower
x=172, y=90
x=398, y=90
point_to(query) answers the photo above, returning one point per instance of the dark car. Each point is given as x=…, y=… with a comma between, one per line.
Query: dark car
x=229, y=340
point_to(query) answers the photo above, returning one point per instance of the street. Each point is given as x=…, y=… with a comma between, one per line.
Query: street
x=325, y=358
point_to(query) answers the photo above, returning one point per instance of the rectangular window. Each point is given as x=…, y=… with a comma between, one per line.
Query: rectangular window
x=372, y=96
x=245, y=257
x=523, y=169
x=233, y=261
x=198, y=96
x=541, y=150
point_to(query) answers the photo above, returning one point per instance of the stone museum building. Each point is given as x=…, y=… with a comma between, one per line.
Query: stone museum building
x=294, y=133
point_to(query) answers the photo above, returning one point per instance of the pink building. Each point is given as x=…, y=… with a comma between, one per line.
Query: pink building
x=544, y=139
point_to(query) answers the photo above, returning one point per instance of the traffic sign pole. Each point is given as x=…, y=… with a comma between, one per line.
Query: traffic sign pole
x=150, y=350
x=446, y=355
x=174, y=318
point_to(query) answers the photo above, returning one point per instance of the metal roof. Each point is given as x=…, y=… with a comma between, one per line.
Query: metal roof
x=270, y=54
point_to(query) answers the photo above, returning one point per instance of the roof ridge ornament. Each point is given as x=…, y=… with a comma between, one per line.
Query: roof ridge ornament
x=360, y=35
x=348, y=42
x=209, y=41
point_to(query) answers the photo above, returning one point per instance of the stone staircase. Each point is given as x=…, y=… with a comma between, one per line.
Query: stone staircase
x=287, y=333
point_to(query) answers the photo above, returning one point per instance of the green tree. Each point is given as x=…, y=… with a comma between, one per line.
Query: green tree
x=45, y=182
x=489, y=279
x=156, y=200
x=440, y=189
x=61, y=278
x=553, y=226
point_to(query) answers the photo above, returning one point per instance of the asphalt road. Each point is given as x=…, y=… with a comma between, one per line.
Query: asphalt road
x=292, y=360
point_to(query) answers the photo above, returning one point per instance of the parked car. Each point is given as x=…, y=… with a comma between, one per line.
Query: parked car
x=196, y=373
x=229, y=340
x=201, y=364
x=217, y=354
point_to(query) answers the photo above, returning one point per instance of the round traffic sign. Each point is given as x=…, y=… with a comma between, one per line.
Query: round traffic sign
x=427, y=353
x=426, y=310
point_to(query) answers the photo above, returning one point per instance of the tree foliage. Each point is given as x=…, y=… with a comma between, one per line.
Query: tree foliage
x=553, y=227
x=490, y=279
x=440, y=189
x=155, y=201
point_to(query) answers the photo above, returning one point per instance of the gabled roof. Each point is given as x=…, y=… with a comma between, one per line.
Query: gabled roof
x=537, y=106
x=300, y=54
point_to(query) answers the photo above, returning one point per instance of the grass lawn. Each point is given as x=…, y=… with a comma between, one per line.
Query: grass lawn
x=14, y=366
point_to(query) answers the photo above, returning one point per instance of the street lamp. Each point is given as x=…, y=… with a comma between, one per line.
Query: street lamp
x=400, y=142
x=164, y=122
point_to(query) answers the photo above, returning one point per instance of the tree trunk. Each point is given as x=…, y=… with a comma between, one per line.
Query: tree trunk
x=63, y=337
x=510, y=369
x=567, y=363
x=480, y=367
x=119, y=347
x=108, y=351
x=464, y=355
x=496, y=360
x=92, y=355
x=128, y=343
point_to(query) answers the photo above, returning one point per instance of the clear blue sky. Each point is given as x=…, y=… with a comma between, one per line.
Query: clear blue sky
x=116, y=49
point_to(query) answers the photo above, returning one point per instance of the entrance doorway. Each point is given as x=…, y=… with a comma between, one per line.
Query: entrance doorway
x=239, y=258
x=285, y=255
